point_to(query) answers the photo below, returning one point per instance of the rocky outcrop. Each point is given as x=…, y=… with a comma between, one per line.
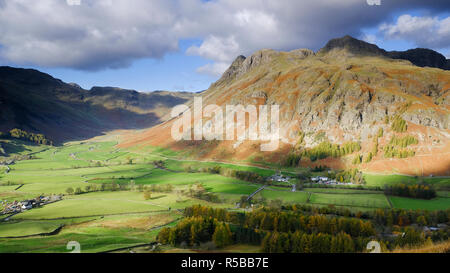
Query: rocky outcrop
x=420, y=56
x=242, y=65
x=232, y=71
x=352, y=45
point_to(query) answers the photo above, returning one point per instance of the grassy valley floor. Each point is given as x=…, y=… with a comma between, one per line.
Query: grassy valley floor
x=122, y=217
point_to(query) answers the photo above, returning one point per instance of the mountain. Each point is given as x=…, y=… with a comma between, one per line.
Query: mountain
x=348, y=92
x=420, y=56
x=37, y=102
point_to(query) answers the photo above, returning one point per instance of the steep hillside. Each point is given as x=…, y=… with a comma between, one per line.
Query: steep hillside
x=348, y=93
x=37, y=102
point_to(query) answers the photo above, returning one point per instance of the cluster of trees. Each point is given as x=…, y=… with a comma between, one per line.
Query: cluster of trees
x=381, y=217
x=397, y=145
x=380, y=133
x=353, y=175
x=198, y=191
x=368, y=158
x=212, y=170
x=414, y=191
x=76, y=191
x=357, y=159
x=374, y=151
x=160, y=188
x=299, y=242
x=293, y=159
x=282, y=221
x=24, y=135
x=204, y=224
x=320, y=168
x=403, y=142
x=399, y=125
x=326, y=149
x=248, y=176
x=410, y=237
x=301, y=228
x=109, y=187
x=192, y=231
x=391, y=151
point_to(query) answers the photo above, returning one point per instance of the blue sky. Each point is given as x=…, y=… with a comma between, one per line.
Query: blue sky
x=182, y=45
x=175, y=71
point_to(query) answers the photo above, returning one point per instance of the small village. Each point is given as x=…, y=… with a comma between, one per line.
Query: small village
x=20, y=206
x=321, y=180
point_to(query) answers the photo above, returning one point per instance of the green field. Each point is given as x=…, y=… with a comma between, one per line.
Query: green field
x=409, y=203
x=353, y=200
x=285, y=196
x=381, y=180
x=107, y=220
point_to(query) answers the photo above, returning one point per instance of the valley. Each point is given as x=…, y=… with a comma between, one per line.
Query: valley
x=108, y=207
x=363, y=157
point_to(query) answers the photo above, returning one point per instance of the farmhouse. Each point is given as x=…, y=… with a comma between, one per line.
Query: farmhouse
x=26, y=205
x=279, y=178
x=320, y=179
x=327, y=181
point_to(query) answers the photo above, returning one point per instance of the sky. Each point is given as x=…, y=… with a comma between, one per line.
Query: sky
x=185, y=45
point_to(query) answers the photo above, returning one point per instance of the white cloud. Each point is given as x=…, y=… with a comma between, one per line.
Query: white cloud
x=216, y=48
x=93, y=35
x=73, y=2
x=370, y=38
x=100, y=34
x=215, y=69
x=423, y=31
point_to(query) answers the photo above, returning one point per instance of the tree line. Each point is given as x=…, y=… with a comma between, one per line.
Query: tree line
x=413, y=191
x=192, y=231
x=210, y=225
x=324, y=150
x=241, y=175
x=24, y=135
x=299, y=242
x=381, y=217
x=282, y=221
x=298, y=229
x=397, y=147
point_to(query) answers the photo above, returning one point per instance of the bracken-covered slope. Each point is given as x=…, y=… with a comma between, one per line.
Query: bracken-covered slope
x=36, y=102
x=346, y=92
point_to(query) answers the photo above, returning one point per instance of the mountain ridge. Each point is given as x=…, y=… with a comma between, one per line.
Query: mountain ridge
x=37, y=102
x=335, y=96
x=421, y=57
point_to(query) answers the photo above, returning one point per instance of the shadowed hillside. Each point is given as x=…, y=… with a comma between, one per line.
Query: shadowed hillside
x=36, y=102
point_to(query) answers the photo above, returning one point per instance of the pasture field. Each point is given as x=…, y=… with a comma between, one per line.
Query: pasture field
x=107, y=203
x=91, y=239
x=109, y=220
x=353, y=200
x=18, y=228
x=410, y=203
x=381, y=180
x=340, y=191
x=285, y=195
